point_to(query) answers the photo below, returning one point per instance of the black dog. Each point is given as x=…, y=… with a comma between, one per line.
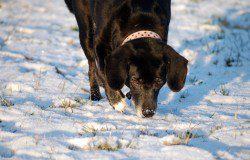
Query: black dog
x=125, y=42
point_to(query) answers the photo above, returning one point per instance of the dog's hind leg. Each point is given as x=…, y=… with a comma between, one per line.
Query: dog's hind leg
x=95, y=94
x=86, y=33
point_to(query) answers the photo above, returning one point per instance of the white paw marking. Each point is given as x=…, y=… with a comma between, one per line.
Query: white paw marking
x=139, y=113
x=121, y=106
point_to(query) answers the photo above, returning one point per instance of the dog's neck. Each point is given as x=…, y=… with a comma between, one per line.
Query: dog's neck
x=142, y=34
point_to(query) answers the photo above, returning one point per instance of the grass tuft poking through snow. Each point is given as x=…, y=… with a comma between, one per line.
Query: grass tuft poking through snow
x=107, y=146
x=5, y=102
x=74, y=28
x=94, y=128
x=89, y=129
x=179, y=139
x=68, y=103
x=224, y=91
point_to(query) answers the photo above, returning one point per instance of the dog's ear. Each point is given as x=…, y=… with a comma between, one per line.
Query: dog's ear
x=117, y=67
x=176, y=68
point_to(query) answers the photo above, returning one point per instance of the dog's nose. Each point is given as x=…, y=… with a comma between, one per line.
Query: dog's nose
x=147, y=113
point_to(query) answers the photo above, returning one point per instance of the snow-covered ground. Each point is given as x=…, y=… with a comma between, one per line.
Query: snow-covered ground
x=45, y=112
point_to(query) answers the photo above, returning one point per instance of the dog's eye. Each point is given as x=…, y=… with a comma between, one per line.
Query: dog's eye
x=135, y=82
x=158, y=82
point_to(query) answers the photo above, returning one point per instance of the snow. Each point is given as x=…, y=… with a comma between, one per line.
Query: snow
x=45, y=112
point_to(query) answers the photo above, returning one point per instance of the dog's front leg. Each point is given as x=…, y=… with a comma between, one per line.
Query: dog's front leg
x=116, y=98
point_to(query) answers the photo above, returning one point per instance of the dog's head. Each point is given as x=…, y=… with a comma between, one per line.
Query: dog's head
x=145, y=65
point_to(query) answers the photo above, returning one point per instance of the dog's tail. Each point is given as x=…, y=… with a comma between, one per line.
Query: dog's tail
x=69, y=5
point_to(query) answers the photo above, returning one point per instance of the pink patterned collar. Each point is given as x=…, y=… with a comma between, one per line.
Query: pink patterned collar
x=141, y=34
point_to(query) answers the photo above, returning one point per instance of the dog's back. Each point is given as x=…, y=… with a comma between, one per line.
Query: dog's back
x=106, y=7
x=69, y=5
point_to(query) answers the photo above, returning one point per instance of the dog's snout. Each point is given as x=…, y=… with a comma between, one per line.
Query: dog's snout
x=145, y=104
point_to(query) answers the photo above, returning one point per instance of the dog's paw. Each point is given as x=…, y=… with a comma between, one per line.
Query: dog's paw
x=95, y=97
x=120, y=106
